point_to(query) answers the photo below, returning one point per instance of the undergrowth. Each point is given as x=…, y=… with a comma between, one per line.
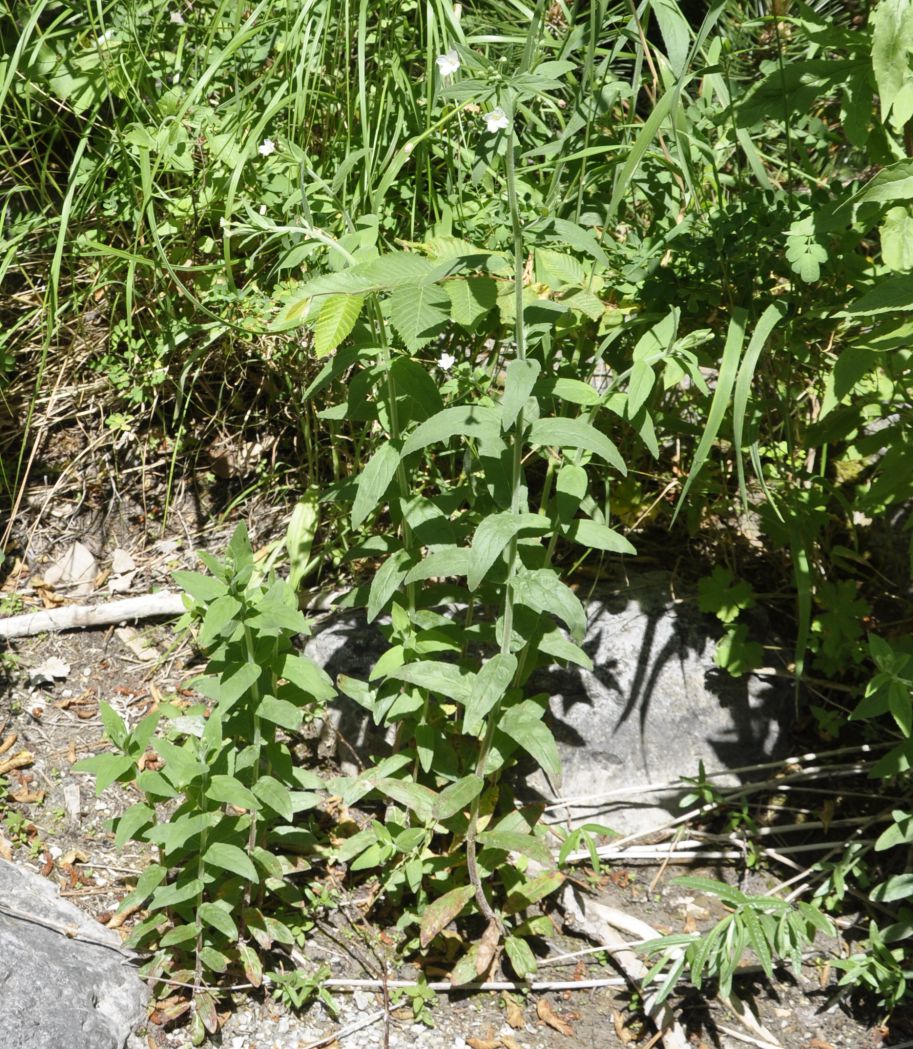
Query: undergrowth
x=506, y=286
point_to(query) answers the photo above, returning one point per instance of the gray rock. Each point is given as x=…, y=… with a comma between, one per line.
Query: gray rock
x=652, y=708
x=56, y=989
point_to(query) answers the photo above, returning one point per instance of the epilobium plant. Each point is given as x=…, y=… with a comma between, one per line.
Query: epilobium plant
x=223, y=802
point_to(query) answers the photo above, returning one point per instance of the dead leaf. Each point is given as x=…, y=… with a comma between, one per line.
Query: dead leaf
x=6, y=849
x=122, y=915
x=8, y=742
x=484, y=1043
x=488, y=946
x=169, y=1010
x=76, y=569
x=817, y=1043
x=51, y=670
x=122, y=562
x=548, y=1016
x=138, y=645
x=18, y=761
x=73, y=856
x=24, y=796
x=508, y=1042
x=514, y=1013
x=71, y=752
x=621, y=1029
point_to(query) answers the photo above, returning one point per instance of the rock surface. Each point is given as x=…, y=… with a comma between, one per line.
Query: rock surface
x=652, y=708
x=57, y=989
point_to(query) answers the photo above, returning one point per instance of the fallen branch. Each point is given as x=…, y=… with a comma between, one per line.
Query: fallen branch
x=71, y=617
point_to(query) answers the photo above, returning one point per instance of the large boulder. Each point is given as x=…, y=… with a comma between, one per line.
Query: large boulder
x=652, y=708
x=66, y=980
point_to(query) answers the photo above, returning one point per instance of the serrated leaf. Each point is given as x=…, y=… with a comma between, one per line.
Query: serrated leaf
x=231, y=858
x=559, y=432
x=442, y=912
x=470, y=299
x=337, y=318
x=374, y=480
x=491, y=538
x=418, y=313
x=523, y=723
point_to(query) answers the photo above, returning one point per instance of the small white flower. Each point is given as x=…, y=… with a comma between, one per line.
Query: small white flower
x=496, y=120
x=102, y=41
x=262, y=209
x=266, y=147
x=446, y=361
x=176, y=18
x=448, y=63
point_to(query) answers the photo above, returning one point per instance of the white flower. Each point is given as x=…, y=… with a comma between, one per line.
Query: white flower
x=102, y=41
x=496, y=120
x=262, y=209
x=266, y=147
x=446, y=361
x=176, y=18
x=448, y=63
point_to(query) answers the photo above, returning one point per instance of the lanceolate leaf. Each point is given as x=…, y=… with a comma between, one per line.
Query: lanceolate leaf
x=513, y=841
x=374, y=481
x=523, y=723
x=338, y=315
x=493, y=535
x=520, y=377
x=231, y=858
x=442, y=912
x=598, y=537
x=559, y=432
x=541, y=590
x=475, y=421
x=491, y=683
x=445, y=679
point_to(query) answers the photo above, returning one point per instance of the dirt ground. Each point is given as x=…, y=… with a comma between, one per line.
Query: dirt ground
x=52, y=822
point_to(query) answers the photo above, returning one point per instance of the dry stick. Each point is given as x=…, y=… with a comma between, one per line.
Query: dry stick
x=69, y=617
x=446, y=987
x=351, y=1029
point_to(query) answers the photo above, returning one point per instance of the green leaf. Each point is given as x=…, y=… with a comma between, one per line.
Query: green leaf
x=280, y=712
x=899, y=887
x=444, y=679
x=253, y=967
x=218, y=615
x=521, y=956
x=888, y=295
x=514, y=841
x=106, y=768
x=226, y=689
x=305, y=674
x=490, y=684
x=475, y=421
x=414, y=796
x=523, y=723
x=470, y=299
x=736, y=654
x=442, y=912
x=275, y=795
x=374, y=480
x=230, y=791
x=719, y=594
x=892, y=48
x=493, y=535
x=534, y=890
x=639, y=386
x=133, y=820
x=115, y=729
x=231, y=858
x=182, y=766
x=598, y=537
x=542, y=591
x=456, y=797
x=559, y=432
x=178, y=935
x=451, y=561
x=387, y=581
x=418, y=313
x=575, y=391
x=570, y=489
x=338, y=315
x=554, y=643
x=757, y=940
x=219, y=918
x=175, y=893
x=202, y=588
x=519, y=380
x=897, y=239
